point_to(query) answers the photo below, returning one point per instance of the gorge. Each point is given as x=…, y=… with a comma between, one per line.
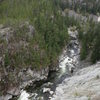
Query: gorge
x=68, y=61
x=49, y=49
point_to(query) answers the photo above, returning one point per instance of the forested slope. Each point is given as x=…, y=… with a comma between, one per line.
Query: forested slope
x=82, y=6
x=34, y=32
x=90, y=40
x=32, y=36
x=50, y=31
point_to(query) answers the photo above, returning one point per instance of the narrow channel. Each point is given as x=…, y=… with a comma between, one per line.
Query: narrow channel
x=68, y=63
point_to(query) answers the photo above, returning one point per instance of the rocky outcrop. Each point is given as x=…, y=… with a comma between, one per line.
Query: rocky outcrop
x=27, y=78
x=14, y=78
x=80, y=17
x=84, y=85
x=30, y=76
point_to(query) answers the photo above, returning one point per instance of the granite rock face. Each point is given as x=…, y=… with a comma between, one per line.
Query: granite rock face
x=84, y=85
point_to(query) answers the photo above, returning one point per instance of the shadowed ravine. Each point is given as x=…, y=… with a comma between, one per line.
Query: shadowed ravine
x=68, y=62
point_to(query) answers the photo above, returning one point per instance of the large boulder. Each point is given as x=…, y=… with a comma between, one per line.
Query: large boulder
x=84, y=85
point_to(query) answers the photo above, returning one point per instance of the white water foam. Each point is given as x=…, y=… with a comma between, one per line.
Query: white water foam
x=98, y=19
x=24, y=95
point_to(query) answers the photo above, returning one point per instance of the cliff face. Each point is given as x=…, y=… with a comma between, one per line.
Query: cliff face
x=84, y=85
x=16, y=54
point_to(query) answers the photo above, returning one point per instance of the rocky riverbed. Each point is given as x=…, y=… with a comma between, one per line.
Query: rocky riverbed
x=68, y=62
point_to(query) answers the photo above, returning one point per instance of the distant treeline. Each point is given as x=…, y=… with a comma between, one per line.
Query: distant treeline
x=82, y=6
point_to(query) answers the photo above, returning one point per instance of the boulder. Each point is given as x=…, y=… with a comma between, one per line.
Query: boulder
x=84, y=85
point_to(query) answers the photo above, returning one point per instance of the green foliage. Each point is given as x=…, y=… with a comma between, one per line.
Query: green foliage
x=91, y=43
x=96, y=45
x=7, y=59
x=50, y=32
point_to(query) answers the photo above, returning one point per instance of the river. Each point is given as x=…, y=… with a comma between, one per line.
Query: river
x=68, y=62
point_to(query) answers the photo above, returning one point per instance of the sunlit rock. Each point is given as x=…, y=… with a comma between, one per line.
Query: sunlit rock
x=84, y=85
x=24, y=95
x=98, y=19
x=46, y=90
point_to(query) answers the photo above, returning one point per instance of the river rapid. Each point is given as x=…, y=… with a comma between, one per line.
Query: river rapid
x=68, y=62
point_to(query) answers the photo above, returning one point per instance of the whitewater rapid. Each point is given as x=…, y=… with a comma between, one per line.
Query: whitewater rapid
x=69, y=59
